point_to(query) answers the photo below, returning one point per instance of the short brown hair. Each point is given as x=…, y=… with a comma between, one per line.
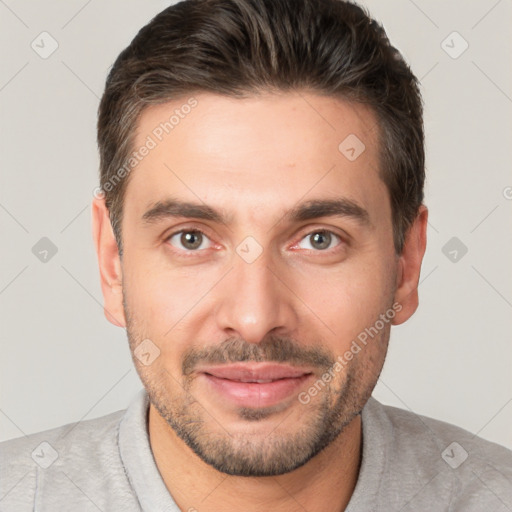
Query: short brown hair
x=238, y=48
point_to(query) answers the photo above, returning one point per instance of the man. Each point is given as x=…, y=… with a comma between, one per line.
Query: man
x=259, y=229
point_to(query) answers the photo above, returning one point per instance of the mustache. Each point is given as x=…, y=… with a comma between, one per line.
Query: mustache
x=273, y=349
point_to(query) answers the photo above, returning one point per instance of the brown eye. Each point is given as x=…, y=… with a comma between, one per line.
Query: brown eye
x=320, y=240
x=189, y=240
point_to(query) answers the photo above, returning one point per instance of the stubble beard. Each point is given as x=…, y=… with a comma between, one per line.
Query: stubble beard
x=287, y=447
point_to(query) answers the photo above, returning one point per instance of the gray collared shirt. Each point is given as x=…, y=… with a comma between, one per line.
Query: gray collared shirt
x=409, y=463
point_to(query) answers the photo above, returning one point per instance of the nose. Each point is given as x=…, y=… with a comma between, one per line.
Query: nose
x=255, y=299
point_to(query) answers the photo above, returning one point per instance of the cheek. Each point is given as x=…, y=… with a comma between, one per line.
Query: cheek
x=350, y=298
x=160, y=295
x=162, y=306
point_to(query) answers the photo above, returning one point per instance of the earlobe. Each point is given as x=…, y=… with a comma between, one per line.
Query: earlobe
x=409, y=267
x=109, y=263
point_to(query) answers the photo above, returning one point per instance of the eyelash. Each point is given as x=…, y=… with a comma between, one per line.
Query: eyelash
x=190, y=253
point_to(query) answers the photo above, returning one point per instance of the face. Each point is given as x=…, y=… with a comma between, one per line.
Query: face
x=258, y=254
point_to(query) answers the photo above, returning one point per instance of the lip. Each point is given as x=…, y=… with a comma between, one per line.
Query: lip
x=255, y=385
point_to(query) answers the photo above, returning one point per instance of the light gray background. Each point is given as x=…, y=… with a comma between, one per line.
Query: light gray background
x=61, y=361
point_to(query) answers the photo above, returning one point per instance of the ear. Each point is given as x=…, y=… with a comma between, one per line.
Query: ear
x=109, y=263
x=409, y=266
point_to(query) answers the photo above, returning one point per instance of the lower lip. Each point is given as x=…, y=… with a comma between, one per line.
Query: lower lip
x=254, y=394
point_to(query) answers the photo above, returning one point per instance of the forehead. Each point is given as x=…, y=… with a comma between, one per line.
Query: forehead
x=262, y=152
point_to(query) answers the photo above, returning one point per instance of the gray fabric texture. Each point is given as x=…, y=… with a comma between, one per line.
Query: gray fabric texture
x=409, y=463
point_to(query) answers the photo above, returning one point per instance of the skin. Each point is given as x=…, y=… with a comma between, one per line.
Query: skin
x=255, y=159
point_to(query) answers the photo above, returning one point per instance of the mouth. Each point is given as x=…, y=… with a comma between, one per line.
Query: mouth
x=255, y=385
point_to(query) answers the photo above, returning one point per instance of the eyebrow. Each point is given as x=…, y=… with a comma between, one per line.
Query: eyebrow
x=313, y=209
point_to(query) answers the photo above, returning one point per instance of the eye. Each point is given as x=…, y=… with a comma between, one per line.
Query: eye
x=189, y=240
x=320, y=240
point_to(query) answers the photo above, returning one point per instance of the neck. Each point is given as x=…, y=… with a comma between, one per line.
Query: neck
x=325, y=483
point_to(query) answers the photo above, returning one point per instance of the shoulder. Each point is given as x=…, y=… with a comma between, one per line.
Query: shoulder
x=62, y=457
x=463, y=468
x=60, y=442
x=457, y=444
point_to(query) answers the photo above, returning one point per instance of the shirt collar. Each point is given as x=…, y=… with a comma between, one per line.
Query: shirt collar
x=143, y=474
x=138, y=460
x=366, y=491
